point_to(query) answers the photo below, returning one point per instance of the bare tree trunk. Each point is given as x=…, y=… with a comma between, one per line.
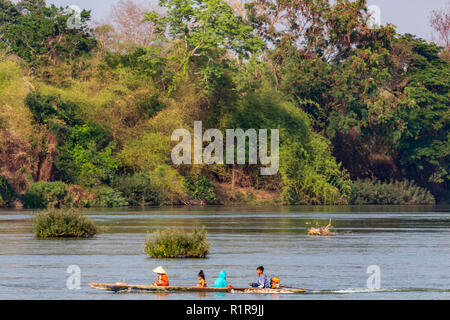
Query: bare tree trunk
x=233, y=177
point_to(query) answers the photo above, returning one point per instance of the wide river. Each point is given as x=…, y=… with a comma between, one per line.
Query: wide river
x=409, y=246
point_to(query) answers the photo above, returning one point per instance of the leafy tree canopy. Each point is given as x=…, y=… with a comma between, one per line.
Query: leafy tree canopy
x=203, y=27
x=39, y=34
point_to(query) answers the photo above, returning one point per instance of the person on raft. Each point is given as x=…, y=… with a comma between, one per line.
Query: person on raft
x=201, y=279
x=163, y=280
x=221, y=281
x=263, y=281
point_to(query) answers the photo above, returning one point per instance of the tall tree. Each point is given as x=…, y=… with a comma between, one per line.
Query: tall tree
x=423, y=151
x=8, y=12
x=440, y=22
x=126, y=28
x=40, y=34
x=337, y=68
x=317, y=27
x=202, y=27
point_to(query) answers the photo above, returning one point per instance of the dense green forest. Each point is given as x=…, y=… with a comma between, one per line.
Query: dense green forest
x=87, y=112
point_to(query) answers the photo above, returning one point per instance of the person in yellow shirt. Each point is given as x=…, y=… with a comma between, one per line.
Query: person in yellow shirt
x=201, y=279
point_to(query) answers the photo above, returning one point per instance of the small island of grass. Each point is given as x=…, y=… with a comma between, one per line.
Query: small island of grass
x=177, y=243
x=63, y=223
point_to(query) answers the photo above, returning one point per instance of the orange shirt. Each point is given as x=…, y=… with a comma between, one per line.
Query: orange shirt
x=163, y=281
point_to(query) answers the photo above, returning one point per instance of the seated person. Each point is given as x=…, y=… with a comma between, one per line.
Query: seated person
x=221, y=281
x=201, y=280
x=263, y=281
x=163, y=280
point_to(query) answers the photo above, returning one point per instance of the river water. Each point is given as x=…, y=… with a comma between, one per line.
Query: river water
x=410, y=246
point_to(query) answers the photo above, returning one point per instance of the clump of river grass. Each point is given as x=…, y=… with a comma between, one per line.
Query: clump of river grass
x=63, y=223
x=177, y=243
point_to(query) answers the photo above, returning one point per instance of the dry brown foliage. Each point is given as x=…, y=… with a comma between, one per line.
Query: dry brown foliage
x=125, y=28
x=321, y=231
x=440, y=22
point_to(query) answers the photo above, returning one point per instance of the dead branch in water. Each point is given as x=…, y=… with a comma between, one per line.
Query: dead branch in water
x=322, y=231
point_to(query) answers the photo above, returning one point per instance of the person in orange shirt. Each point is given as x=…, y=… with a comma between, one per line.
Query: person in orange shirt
x=163, y=280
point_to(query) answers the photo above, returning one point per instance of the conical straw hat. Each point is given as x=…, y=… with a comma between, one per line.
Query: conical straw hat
x=159, y=270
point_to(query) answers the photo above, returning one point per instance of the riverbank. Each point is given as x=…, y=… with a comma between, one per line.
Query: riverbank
x=58, y=194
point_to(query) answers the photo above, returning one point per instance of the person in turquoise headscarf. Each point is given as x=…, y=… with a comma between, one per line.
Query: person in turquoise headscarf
x=221, y=281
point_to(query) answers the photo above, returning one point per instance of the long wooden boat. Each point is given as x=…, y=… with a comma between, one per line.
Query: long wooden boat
x=150, y=288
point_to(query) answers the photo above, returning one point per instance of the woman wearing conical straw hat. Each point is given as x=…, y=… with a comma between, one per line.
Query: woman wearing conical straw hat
x=163, y=280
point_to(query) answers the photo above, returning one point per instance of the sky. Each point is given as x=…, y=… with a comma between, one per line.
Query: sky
x=410, y=16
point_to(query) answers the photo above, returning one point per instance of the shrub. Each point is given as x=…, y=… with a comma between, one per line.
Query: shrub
x=170, y=184
x=311, y=175
x=138, y=190
x=395, y=192
x=59, y=223
x=7, y=193
x=45, y=194
x=47, y=107
x=147, y=153
x=108, y=197
x=55, y=195
x=200, y=188
x=86, y=157
x=176, y=243
x=78, y=197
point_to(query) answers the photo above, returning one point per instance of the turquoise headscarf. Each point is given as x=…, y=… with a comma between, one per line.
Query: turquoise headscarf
x=221, y=281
